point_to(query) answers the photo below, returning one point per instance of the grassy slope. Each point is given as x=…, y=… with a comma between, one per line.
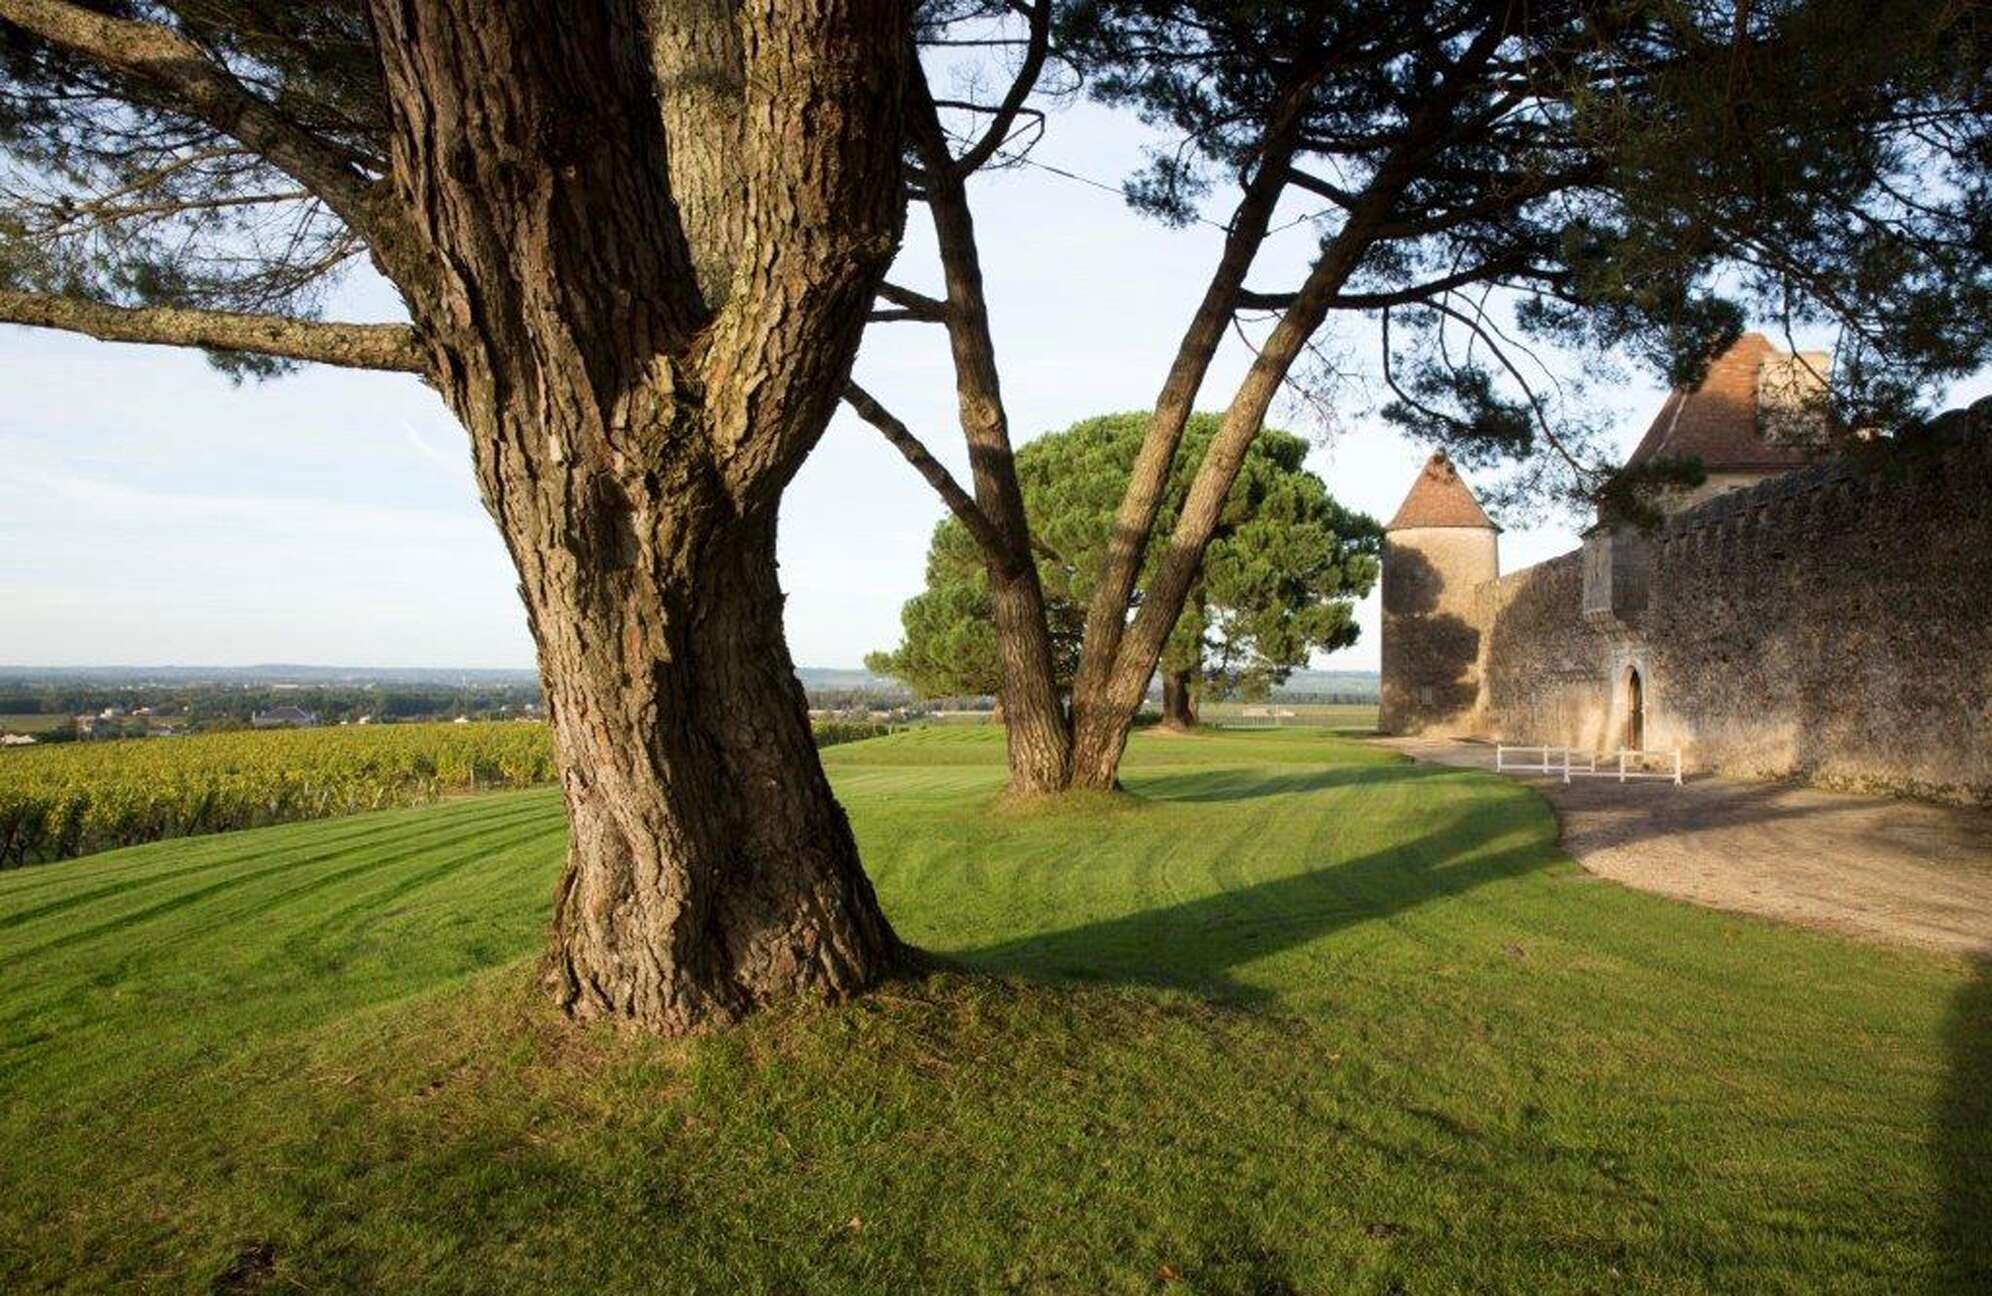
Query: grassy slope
x=1305, y=1019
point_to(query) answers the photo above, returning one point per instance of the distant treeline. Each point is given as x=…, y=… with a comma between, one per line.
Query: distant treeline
x=206, y=707
x=211, y=707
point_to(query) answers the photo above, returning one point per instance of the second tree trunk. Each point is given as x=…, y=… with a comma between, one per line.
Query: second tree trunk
x=1179, y=701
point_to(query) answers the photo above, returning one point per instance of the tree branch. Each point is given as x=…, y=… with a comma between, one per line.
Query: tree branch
x=916, y=305
x=958, y=501
x=1514, y=372
x=1410, y=293
x=1039, y=16
x=1493, y=205
x=1314, y=184
x=1132, y=657
x=196, y=85
x=352, y=346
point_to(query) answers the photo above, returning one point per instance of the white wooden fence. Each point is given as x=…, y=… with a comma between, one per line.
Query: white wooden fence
x=1571, y=763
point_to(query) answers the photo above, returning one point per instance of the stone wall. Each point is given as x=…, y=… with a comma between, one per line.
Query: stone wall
x=1835, y=623
x=1546, y=672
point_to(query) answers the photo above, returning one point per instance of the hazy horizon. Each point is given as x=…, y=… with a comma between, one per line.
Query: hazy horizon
x=298, y=674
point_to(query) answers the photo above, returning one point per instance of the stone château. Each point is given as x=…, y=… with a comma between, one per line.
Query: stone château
x=1793, y=615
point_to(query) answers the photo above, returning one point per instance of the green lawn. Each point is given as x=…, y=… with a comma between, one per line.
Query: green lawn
x=1303, y=1018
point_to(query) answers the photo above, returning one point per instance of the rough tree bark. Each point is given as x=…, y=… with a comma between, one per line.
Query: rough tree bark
x=632, y=436
x=711, y=868
x=638, y=240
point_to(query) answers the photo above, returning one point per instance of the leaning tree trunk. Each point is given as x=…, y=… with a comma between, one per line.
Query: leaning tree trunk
x=1038, y=736
x=1179, y=701
x=1104, y=714
x=643, y=346
x=1102, y=710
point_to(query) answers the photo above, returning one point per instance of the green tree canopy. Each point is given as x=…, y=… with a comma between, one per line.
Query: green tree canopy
x=1277, y=583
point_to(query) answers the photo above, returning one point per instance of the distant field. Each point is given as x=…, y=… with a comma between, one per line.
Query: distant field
x=34, y=723
x=1360, y=717
x=1296, y=1016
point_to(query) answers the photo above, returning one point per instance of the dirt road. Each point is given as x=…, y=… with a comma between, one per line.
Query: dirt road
x=1899, y=872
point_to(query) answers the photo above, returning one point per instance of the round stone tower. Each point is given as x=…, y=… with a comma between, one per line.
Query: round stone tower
x=1437, y=553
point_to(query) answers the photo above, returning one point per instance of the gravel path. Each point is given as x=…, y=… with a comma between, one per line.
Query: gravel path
x=1897, y=872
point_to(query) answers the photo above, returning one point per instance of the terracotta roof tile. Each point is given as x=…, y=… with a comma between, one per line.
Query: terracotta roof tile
x=1717, y=421
x=1439, y=499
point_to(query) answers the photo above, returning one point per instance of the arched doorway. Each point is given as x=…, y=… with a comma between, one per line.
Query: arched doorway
x=1635, y=710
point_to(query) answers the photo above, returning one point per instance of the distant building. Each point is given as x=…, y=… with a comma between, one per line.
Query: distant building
x=284, y=717
x=16, y=740
x=1795, y=614
x=97, y=726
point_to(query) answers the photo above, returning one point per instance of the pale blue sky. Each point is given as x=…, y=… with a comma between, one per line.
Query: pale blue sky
x=151, y=513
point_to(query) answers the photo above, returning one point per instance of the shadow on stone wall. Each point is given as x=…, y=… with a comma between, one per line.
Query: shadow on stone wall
x=1411, y=583
x=1445, y=681
x=1430, y=655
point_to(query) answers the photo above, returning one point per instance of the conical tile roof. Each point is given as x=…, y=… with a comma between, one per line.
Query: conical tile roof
x=1439, y=499
x=1717, y=422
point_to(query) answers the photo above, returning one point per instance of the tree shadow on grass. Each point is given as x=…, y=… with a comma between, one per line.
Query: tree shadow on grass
x=1963, y=1137
x=1195, y=945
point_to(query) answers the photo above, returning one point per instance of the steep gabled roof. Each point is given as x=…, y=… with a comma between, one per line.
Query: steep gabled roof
x=1717, y=422
x=1439, y=499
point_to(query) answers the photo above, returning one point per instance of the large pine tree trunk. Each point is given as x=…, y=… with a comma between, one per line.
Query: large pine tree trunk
x=643, y=345
x=1121, y=655
x=1107, y=691
x=1122, y=662
x=710, y=868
